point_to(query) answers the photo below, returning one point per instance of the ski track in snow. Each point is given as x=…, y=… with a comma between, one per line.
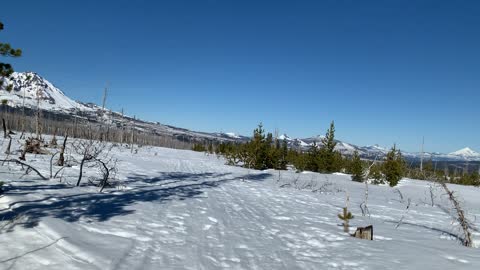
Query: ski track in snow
x=185, y=210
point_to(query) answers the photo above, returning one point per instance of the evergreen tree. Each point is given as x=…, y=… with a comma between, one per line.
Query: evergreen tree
x=356, y=168
x=6, y=50
x=272, y=155
x=312, y=158
x=258, y=149
x=198, y=147
x=284, y=155
x=210, y=148
x=393, y=167
x=375, y=173
x=330, y=160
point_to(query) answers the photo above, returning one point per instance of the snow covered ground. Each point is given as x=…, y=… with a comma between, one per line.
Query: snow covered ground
x=185, y=210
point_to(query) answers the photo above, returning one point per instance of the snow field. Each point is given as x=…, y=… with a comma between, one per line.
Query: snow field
x=180, y=209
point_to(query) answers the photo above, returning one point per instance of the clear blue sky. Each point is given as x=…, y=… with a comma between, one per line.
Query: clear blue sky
x=386, y=71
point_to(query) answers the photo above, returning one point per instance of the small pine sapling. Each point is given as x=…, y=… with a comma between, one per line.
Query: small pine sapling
x=346, y=218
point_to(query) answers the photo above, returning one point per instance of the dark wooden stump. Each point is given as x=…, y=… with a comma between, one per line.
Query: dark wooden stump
x=364, y=233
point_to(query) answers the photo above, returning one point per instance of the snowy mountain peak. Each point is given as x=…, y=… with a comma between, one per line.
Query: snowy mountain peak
x=465, y=152
x=284, y=137
x=232, y=135
x=29, y=87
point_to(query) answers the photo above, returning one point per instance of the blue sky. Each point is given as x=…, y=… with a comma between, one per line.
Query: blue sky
x=386, y=71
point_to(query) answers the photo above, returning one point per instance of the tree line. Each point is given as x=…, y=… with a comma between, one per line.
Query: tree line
x=264, y=151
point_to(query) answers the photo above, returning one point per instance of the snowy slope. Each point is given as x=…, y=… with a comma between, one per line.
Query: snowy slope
x=186, y=210
x=28, y=87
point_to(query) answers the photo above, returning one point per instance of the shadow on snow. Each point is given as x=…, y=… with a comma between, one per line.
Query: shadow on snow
x=103, y=206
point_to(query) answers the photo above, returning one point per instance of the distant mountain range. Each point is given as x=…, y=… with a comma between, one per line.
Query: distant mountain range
x=372, y=151
x=30, y=88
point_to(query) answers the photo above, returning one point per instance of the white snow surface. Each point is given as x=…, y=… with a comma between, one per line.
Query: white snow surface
x=179, y=209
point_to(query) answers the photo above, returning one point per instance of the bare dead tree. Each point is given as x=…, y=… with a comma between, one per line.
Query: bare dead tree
x=7, y=151
x=53, y=142
x=396, y=190
x=37, y=120
x=432, y=195
x=89, y=150
x=461, y=218
x=106, y=172
x=51, y=164
x=131, y=140
x=24, y=152
x=364, y=204
x=404, y=214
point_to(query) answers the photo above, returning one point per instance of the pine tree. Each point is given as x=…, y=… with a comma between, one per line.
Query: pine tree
x=376, y=174
x=198, y=147
x=345, y=217
x=330, y=160
x=284, y=155
x=6, y=69
x=272, y=155
x=258, y=150
x=393, y=167
x=356, y=168
x=312, y=158
x=210, y=148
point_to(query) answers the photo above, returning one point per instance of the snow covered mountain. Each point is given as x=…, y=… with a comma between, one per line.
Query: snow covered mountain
x=376, y=151
x=30, y=89
x=466, y=153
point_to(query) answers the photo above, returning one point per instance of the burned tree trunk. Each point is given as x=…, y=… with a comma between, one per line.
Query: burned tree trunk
x=4, y=128
x=81, y=171
x=53, y=142
x=9, y=145
x=106, y=174
x=61, y=159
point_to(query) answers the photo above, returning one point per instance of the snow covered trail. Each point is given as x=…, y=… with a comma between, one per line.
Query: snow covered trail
x=185, y=210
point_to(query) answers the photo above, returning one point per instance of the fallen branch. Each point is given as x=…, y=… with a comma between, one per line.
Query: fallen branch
x=26, y=165
x=464, y=223
x=403, y=216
